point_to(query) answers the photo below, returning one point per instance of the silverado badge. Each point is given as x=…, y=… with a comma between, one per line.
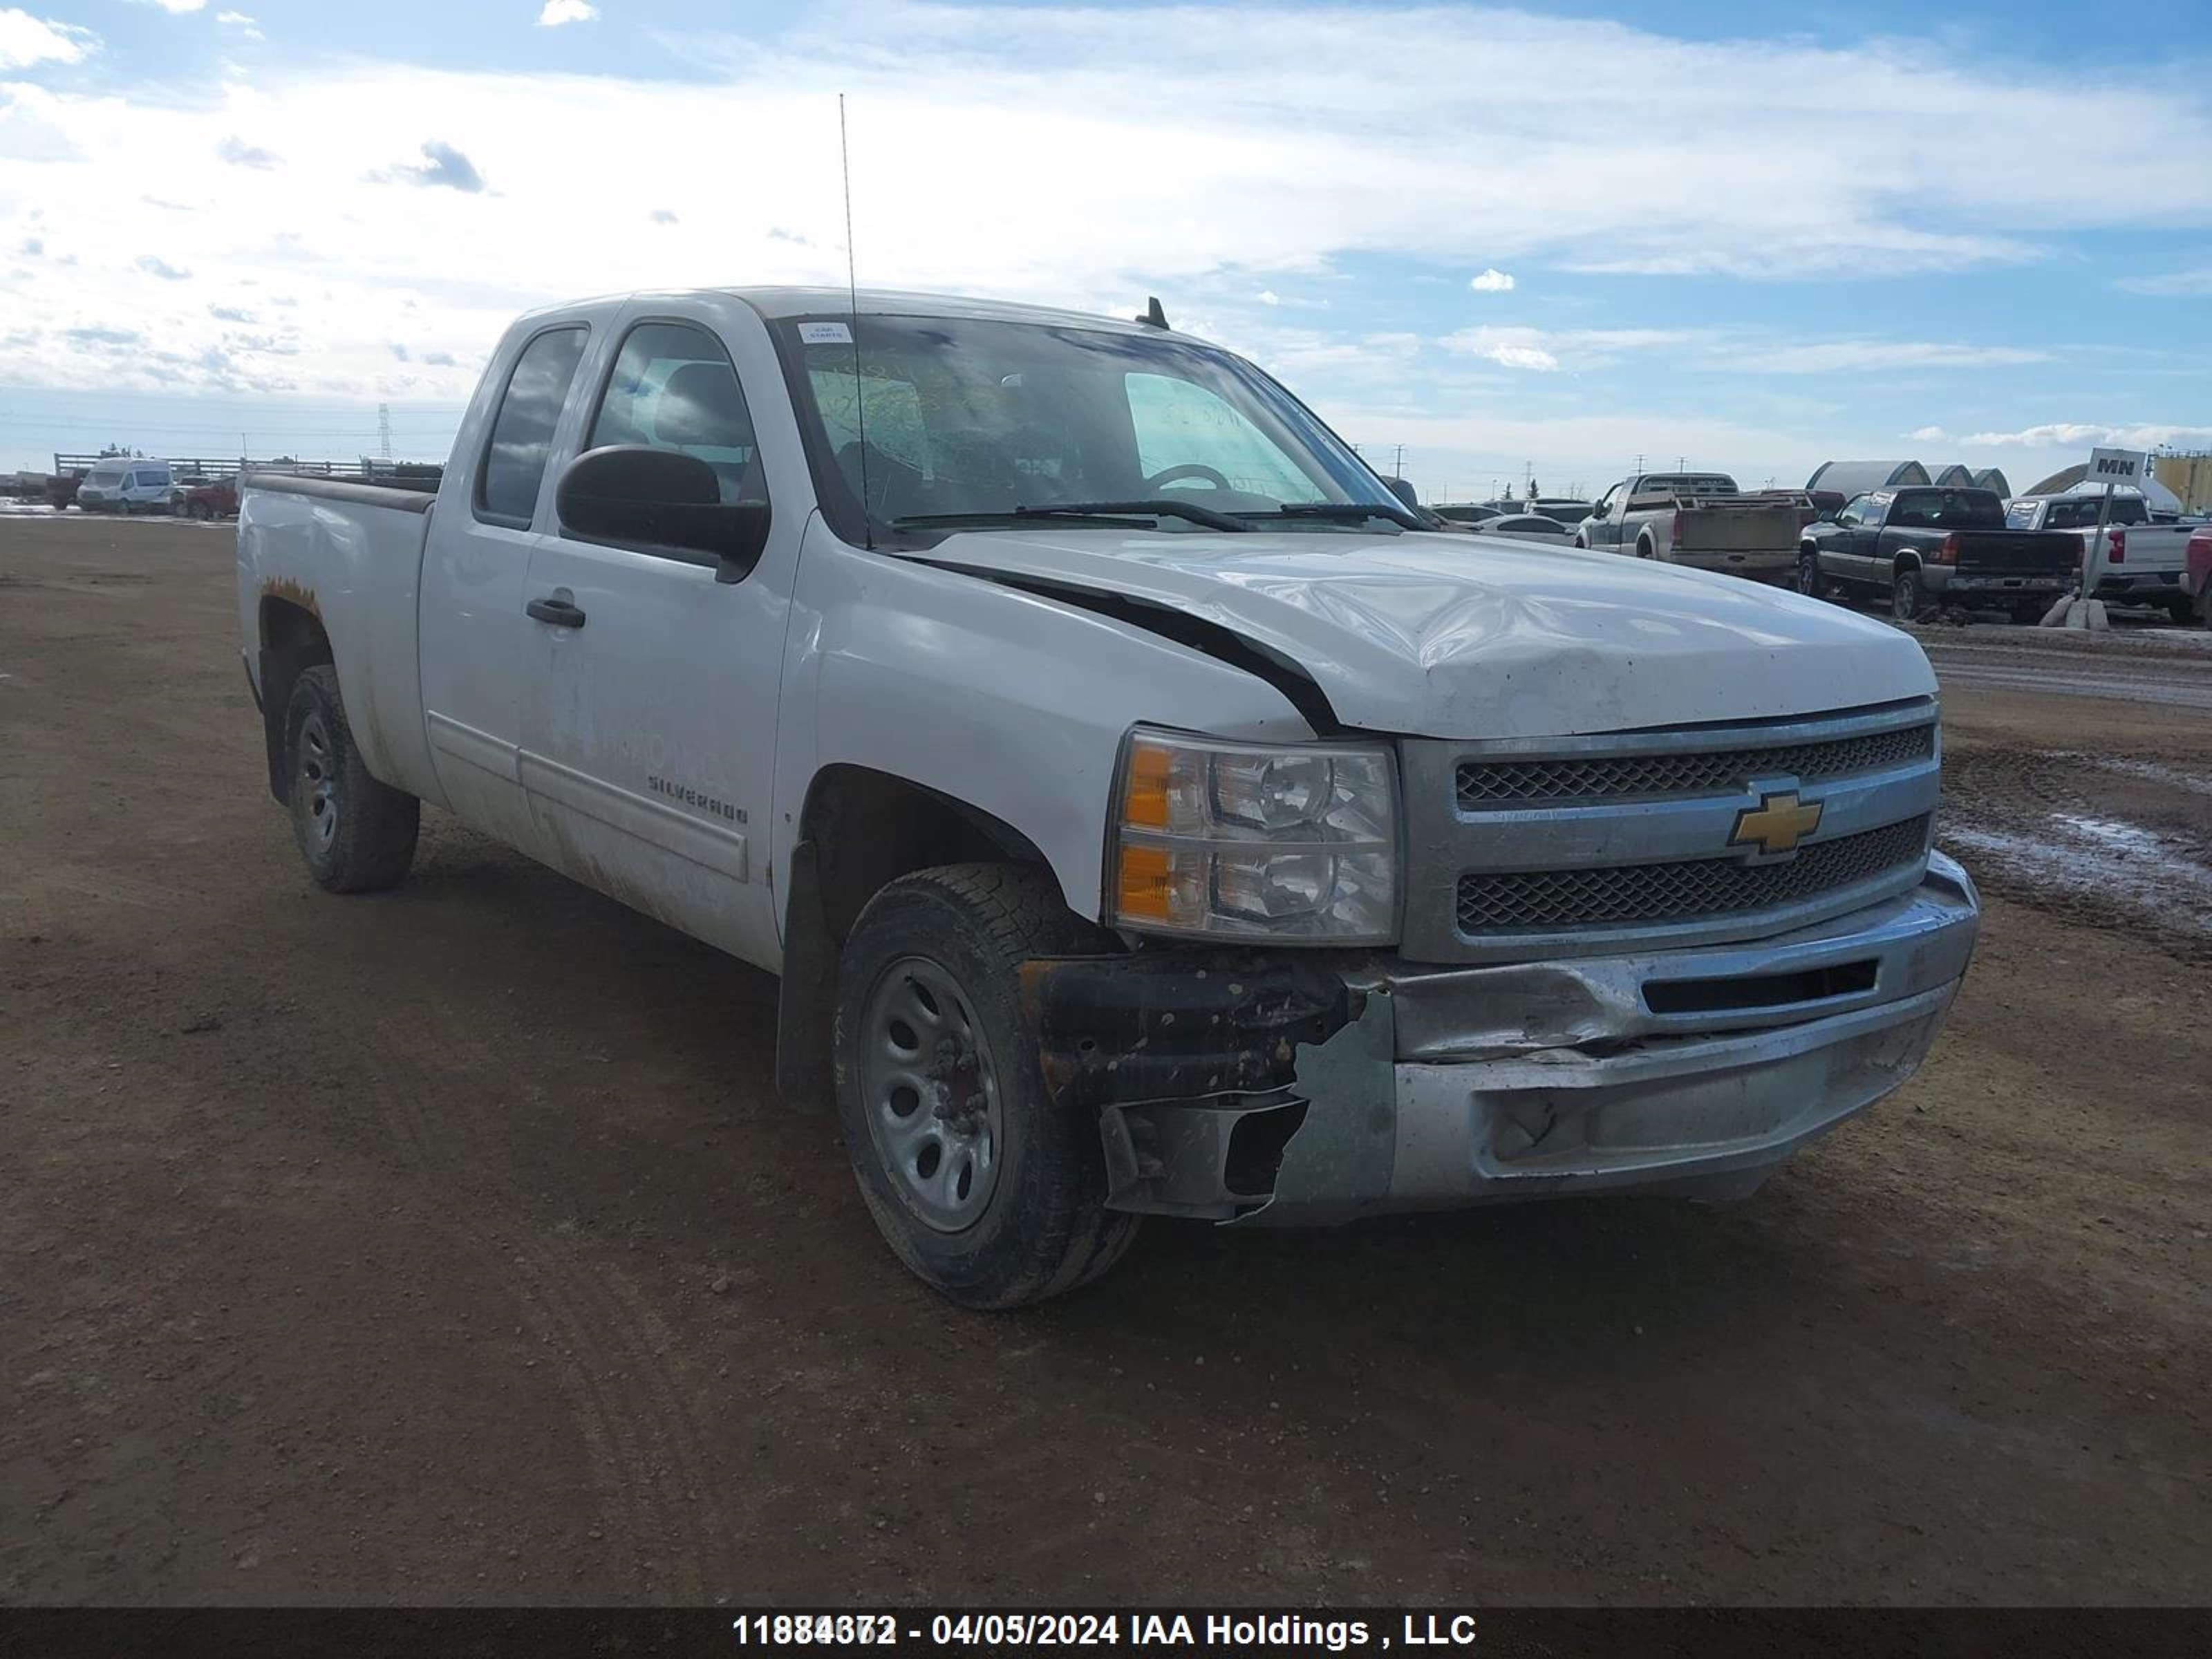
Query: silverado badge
x=1777, y=824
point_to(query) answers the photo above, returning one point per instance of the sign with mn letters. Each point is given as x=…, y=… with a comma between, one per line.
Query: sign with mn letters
x=2127, y=468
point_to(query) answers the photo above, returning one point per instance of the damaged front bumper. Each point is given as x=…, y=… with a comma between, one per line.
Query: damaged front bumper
x=1302, y=1089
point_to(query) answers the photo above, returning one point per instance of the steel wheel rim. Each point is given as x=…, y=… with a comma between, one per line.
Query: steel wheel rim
x=318, y=782
x=930, y=1089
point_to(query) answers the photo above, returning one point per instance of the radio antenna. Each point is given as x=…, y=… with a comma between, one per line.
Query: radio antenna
x=852, y=305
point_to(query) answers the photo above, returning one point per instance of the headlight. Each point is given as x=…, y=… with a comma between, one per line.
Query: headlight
x=1237, y=840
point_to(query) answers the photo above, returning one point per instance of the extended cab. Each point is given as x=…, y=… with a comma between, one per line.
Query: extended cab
x=1930, y=546
x=2140, y=563
x=1146, y=813
x=1697, y=518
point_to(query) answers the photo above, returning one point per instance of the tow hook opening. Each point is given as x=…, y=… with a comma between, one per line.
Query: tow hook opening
x=1255, y=1149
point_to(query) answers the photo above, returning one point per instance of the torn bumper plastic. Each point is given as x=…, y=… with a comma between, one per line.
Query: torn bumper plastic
x=1310, y=1090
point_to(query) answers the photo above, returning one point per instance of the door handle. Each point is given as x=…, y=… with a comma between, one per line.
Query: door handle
x=556, y=611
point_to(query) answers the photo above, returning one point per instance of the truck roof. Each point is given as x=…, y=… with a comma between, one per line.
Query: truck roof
x=777, y=303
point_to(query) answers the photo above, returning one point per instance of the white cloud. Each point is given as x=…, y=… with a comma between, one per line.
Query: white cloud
x=1267, y=296
x=1929, y=435
x=242, y=22
x=1837, y=356
x=1492, y=280
x=25, y=41
x=558, y=12
x=180, y=7
x=2174, y=285
x=1077, y=118
x=1544, y=350
x=2082, y=435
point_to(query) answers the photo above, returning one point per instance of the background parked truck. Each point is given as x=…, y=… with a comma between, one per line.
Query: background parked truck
x=1697, y=518
x=2141, y=562
x=1927, y=546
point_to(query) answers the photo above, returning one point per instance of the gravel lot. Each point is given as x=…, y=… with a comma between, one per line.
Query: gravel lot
x=451, y=1244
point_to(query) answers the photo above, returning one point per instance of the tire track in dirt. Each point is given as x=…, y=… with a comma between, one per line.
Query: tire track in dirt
x=644, y=1441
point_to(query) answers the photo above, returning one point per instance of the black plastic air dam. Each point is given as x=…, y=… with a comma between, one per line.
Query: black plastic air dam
x=1178, y=1025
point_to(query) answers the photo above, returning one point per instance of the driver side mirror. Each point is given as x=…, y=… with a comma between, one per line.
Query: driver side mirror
x=664, y=501
x=1403, y=491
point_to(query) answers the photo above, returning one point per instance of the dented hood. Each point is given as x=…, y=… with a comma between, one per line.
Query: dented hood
x=1465, y=636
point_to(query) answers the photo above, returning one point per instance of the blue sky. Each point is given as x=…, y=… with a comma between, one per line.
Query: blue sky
x=1756, y=238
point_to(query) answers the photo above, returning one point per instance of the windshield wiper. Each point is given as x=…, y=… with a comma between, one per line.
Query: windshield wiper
x=1157, y=509
x=1161, y=507
x=1343, y=513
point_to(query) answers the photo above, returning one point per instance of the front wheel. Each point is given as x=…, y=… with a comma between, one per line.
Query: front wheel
x=356, y=833
x=990, y=1192
x=1907, y=598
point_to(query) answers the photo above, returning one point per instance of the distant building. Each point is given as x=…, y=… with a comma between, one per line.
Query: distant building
x=1956, y=476
x=1989, y=478
x=1850, y=477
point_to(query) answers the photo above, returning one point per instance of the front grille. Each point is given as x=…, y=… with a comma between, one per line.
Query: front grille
x=1633, y=895
x=1489, y=785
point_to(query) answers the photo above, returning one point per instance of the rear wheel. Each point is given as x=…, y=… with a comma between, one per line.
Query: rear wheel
x=985, y=1188
x=1810, y=580
x=1907, y=598
x=2182, y=608
x=356, y=833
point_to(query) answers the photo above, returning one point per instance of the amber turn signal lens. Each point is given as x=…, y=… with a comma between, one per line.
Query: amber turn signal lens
x=1144, y=805
x=1141, y=891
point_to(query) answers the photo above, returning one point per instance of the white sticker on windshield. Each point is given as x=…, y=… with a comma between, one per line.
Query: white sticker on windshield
x=824, y=334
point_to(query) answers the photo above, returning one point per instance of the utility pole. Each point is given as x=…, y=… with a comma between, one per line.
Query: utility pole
x=1398, y=462
x=384, y=428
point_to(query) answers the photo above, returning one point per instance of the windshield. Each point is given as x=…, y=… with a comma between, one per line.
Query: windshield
x=980, y=420
x=105, y=477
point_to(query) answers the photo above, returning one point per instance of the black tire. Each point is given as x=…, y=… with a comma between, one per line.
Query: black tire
x=1811, y=582
x=1645, y=551
x=356, y=833
x=1907, y=597
x=2182, y=608
x=1044, y=1228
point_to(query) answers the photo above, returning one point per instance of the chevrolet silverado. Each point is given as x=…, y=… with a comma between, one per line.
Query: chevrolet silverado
x=1145, y=811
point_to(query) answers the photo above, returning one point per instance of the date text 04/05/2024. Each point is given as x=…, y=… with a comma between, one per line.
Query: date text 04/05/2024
x=941, y=1630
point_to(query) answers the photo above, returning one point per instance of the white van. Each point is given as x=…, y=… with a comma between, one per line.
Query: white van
x=127, y=486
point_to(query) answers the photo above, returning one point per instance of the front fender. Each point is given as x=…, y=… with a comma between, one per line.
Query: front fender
x=1013, y=703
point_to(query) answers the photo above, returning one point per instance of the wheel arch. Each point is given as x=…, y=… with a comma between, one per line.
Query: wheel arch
x=860, y=830
x=292, y=638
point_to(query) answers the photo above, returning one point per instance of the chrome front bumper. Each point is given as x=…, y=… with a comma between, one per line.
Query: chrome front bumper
x=1303, y=1090
x=1694, y=1073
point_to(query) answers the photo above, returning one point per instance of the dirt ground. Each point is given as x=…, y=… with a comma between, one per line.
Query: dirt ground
x=452, y=1245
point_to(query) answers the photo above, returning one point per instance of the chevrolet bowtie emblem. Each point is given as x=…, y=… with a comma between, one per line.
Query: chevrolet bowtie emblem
x=1777, y=824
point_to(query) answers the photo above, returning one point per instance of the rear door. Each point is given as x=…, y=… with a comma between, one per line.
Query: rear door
x=474, y=567
x=649, y=737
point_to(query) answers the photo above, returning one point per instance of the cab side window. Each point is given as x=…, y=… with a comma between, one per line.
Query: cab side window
x=673, y=387
x=522, y=432
x=1853, y=513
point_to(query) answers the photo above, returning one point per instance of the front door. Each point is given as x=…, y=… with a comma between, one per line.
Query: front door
x=474, y=633
x=649, y=733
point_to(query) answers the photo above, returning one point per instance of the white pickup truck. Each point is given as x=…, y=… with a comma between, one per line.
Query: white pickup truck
x=2141, y=562
x=1700, y=520
x=1144, y=813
